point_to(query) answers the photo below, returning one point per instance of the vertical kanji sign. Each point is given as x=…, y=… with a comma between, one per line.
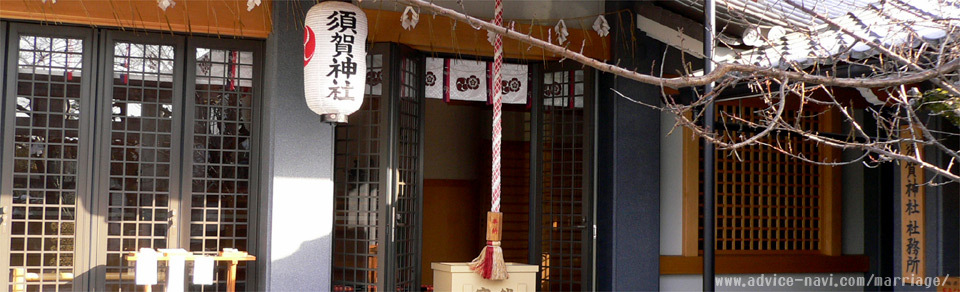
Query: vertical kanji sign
x=334, y=58
x=912, y=259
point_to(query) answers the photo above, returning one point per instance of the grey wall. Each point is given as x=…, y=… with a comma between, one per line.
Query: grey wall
x=628, y=166
x=853, y=199
x=298, y=167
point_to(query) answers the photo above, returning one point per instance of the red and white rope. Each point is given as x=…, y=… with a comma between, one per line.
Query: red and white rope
x=497, y=107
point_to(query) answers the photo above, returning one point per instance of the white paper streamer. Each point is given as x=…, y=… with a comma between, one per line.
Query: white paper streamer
x=164, y=4
x=252, y=3
x=601, y=26
x=203, y=270
x=175, y=268
x=409, y=18
x=562, y=33
x=146, y=268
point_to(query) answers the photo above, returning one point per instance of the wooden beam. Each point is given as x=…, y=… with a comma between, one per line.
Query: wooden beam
x=831, y=190
x=691, y=192
x=756, y=264
x=444, y=35
x=214, y=17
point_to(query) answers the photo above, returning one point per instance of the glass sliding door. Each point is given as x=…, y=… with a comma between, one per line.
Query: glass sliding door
x=219, y=152
x=378, y=178
x=565, y=184
x=138, y=183
x=408, y=147
x=161, y=153
x=359, y=180
x=46, y=121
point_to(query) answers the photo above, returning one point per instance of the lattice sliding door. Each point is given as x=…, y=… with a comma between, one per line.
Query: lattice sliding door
x=359, y=180
x=220, y=156
x=408, y=192
x=566, y=179
x=140, y=190
x=378, y=178
x=93, y=155
x=768, y=202
x=48, y=112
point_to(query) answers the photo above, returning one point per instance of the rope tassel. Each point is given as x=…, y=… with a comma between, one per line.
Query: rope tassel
x=489, y=264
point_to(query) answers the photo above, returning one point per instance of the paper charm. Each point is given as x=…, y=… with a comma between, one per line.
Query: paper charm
x=175, y=273
x=409, y=18
x=561, y=29
x=164, y=4
x=146, y=267
x=252, y=3
x=203, y=270
x=601, y=26
x=52, y=1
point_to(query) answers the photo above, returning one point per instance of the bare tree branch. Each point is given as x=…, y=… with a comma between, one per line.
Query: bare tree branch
x=722, y=70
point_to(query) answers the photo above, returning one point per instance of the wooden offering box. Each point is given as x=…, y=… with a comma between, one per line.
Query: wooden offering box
x=457, y=277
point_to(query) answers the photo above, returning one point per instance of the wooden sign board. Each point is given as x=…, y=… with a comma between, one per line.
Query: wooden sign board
x=912, y=233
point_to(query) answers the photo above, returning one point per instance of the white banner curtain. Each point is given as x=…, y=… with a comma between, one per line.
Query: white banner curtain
x=469, y=80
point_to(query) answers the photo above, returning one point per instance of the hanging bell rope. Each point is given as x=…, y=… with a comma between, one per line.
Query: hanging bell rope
x=490, y=263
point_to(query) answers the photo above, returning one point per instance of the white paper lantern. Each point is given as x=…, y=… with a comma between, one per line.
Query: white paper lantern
x=334, y=59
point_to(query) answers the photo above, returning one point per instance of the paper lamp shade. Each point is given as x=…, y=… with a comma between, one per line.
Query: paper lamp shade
x=334, y=58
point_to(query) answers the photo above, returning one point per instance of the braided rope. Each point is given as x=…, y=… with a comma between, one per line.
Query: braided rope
x=497, y=107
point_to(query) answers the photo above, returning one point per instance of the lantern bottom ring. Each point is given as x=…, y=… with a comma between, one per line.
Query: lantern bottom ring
x=334, y=118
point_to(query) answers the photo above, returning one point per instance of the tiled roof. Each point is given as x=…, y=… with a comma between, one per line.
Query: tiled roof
x=892, y=24
x=777, y=12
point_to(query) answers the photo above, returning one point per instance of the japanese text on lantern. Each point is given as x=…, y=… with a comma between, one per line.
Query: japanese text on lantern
x=911, y=215
x=343, y=24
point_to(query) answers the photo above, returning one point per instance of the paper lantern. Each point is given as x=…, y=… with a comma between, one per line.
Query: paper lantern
x=334, y=59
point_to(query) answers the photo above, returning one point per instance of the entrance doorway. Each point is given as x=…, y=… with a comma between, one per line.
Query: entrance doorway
x=412, y=178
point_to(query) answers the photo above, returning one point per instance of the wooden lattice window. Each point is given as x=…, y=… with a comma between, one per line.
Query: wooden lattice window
x=767, y=202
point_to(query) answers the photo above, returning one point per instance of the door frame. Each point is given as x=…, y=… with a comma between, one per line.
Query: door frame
x=383, y=175
x=387, y=169
x=589, y=167
x=82, y=263
x=398, y=53
x=186, y=161
x=102, y=145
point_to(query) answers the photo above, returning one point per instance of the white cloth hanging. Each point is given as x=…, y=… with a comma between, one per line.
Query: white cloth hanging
x=466, y=80
x=450, y=79
x=433, y=82
x=514, y=81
